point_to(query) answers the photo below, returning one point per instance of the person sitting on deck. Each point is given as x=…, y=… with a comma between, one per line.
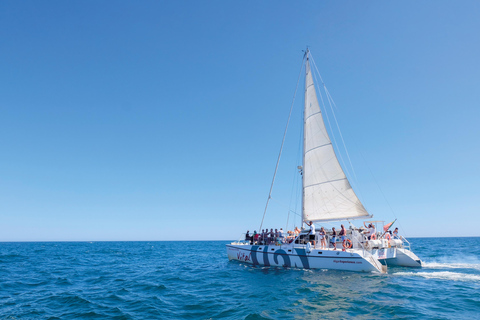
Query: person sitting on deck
x=388, y=235
x=247, y=236
x=343, y=234
x=334, y=238
x=395, y=234
x=290, y=237
x=255, y=237
x=296, y=231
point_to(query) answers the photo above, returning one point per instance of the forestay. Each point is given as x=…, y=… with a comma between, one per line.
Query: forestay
x=327, y=192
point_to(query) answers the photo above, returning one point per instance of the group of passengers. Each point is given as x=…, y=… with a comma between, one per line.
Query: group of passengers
x=272, y=237
x=278, y=236
x=372, y=233
x=322, y=235
x=266, y=237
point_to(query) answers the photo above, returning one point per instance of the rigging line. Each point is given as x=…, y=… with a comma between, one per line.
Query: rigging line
x=283, y=141
x=355, y=181
x=329, y=97
x=296, y=213
x=330, y=125
x=285, y=207
x=281, y=204
x=323, y=83
x=330, y=102
x=381, y=191
x=371, y=172
x=295, y=178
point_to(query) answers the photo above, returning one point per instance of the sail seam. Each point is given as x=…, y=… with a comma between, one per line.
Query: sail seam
x=323, y=145
x=319, y=112
x=316, y=184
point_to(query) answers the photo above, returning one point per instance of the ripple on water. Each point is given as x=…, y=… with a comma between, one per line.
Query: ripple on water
x=164, y=280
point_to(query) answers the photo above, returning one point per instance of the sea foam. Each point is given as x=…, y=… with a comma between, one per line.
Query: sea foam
x=442, y=275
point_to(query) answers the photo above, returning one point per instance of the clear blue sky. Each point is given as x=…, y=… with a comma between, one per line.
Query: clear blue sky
x=162, y=120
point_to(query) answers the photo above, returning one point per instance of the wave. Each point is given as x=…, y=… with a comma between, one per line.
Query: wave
x=446, y=265
x=442, y=275
x=455, y=261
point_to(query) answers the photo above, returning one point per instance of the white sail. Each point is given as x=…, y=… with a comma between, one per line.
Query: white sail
x=327, y=194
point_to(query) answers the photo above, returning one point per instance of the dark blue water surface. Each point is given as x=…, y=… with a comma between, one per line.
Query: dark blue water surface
x=194, y=280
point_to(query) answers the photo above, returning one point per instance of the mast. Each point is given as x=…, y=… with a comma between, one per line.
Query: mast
x=303, y=147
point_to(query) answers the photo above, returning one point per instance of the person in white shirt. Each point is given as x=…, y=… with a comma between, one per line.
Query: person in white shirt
x=281, y=236
x=311, y=233
x=371, y=230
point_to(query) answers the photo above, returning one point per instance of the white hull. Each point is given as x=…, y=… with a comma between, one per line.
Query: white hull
x=401, y=257
x=297, y=256
x=404, y=258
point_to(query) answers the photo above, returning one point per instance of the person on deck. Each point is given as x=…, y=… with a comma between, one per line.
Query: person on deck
x=263, y=236
x=371, y=230
x=272, y=236
x=395, y=234
x=296, y=231
x=388, y=235
x=322, y=234
x=343, y=234
x=334, y=238
x=247, y=236
x=311, y=233
x=255, y=237
x=281, y=235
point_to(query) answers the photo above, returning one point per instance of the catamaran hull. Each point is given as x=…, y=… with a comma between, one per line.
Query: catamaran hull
x=404, y=258
x=397, y=257
x=299, y=257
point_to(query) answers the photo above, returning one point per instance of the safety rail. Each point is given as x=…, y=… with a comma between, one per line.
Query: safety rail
x=360, y=240
x=404, y=240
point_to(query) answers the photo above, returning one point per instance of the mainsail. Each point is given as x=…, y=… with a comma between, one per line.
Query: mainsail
x=327, y=194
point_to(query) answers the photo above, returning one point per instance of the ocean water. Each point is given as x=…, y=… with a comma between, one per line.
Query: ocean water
x=195, y=280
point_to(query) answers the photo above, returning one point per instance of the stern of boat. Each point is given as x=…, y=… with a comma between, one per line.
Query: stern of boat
x=407, y=258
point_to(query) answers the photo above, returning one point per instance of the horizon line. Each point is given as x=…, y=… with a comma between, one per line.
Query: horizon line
x=37, y=241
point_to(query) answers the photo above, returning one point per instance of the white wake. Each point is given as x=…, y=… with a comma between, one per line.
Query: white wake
x=446, y=265
x=442, y=275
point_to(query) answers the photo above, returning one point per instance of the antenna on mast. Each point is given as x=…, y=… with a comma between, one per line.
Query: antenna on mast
x=306, y=52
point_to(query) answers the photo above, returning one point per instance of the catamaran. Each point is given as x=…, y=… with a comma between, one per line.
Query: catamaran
x=327, y=196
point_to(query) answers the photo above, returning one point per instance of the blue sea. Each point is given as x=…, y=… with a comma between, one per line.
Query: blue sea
x=195, y=280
